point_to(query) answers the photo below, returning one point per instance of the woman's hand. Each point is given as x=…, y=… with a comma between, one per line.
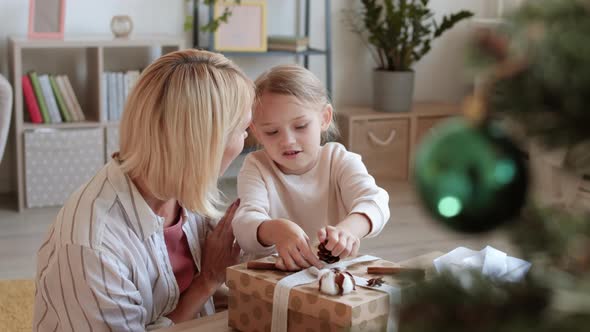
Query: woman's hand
x=220, y=249
x=340, y=242
x=292, y=245
x=219, y=253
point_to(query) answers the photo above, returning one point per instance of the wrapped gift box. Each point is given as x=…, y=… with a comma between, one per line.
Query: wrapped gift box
x=251, y=300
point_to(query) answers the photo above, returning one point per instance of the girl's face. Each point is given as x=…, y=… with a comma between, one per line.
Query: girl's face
x=290, y=131
x=235, y=144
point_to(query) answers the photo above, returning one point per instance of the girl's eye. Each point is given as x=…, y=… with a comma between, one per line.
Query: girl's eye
x=270, y=133
x=301, y=127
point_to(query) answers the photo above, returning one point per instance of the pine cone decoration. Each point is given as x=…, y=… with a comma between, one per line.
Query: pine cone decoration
x=375, y=282
x=325, y=255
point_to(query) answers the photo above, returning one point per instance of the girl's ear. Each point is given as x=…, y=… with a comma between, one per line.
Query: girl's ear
x=326, y=117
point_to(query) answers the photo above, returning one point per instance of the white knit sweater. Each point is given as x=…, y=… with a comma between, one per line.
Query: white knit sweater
x=337, y=186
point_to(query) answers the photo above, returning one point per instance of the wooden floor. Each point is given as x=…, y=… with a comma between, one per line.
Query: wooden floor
x=409, y=233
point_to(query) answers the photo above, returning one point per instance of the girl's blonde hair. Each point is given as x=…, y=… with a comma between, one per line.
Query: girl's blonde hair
x=177, y=121
x=294, y=80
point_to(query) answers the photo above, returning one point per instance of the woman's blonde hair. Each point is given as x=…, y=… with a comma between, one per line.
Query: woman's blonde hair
x=177, y=121
x=294, y=80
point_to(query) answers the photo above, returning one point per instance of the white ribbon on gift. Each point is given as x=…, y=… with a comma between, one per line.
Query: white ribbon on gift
x=489, y=261
x=280, y=308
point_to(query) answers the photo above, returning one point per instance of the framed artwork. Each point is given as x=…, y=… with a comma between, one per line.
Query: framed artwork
x=245, y=30
x=46, y=19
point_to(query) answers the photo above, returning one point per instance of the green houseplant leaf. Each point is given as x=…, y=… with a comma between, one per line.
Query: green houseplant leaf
x=214, y=24
x=399, y=32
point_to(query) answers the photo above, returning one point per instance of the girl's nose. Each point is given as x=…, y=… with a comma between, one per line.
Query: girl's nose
x=287, y=138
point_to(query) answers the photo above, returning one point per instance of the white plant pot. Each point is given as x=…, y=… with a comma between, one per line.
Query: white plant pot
x=393, y=91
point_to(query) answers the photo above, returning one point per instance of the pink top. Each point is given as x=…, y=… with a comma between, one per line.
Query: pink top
x=183, y=264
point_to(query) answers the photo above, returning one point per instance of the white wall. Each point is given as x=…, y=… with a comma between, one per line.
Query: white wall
x=439, y=76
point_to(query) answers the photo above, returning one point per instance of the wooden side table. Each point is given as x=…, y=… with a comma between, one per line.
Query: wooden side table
x=387, y=141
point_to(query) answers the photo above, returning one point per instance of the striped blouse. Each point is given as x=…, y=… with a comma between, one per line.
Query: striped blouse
x=104, y=265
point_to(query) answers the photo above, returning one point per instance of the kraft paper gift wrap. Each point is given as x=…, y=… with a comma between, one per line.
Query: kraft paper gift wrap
x=251, y=301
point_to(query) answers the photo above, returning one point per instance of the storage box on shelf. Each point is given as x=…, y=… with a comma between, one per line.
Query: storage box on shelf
x=58, y=161
x=53, y=159
x=388, y=141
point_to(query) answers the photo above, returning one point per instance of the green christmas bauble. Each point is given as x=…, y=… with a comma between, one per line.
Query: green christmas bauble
x=471, y=178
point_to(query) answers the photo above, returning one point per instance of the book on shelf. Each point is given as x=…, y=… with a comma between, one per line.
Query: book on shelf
x=284, y=47
x=40, y=98
x=104, y=96
x=72, y=95
x=289, y=40
x=116, y=87
x=65, y=113
x=118, y=95
x=110, y=95
x=31, y=100
x=288, y=43
x=59, y=79
x=50, y=99
x=131, y=78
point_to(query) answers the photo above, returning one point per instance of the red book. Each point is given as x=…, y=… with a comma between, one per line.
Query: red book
x=31, y=100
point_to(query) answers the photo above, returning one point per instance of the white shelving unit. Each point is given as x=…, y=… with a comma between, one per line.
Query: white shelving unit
x=84, y=60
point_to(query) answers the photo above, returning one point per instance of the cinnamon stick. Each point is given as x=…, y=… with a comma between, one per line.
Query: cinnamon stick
x=396, y=270
x=256, y=265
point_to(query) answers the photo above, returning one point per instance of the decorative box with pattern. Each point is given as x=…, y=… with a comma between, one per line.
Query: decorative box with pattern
x=57, y=162
x=251, y=302
x=112, y=138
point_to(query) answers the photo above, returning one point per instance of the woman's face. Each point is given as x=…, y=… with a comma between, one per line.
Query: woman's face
x=235, y=144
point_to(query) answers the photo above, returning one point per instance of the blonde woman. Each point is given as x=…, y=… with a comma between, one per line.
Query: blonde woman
x=133, y=249
x=298, y=189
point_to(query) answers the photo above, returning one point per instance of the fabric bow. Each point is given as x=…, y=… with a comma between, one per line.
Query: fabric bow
x=280, y=308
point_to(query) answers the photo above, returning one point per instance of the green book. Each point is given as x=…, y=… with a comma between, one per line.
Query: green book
x=40, y=98
x=65, y=114
x=288, y=40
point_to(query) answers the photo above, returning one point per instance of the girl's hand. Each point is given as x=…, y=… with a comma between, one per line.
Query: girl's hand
x=293, y=246
x=340, y=242
x=220, y=249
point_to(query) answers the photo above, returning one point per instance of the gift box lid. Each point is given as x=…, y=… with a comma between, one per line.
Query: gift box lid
x=346, y=310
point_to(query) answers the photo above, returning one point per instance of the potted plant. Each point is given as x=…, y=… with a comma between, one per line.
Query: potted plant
x=213, y=23
x=398, y=34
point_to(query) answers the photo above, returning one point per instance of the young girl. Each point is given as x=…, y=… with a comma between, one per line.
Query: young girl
x=295, y=187
x=131, y=250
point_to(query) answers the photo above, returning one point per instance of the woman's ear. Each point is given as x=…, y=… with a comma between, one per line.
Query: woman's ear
x=327, y=117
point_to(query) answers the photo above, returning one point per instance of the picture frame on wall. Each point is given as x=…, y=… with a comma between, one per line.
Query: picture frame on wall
x=46, y=19
x=245, y=30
